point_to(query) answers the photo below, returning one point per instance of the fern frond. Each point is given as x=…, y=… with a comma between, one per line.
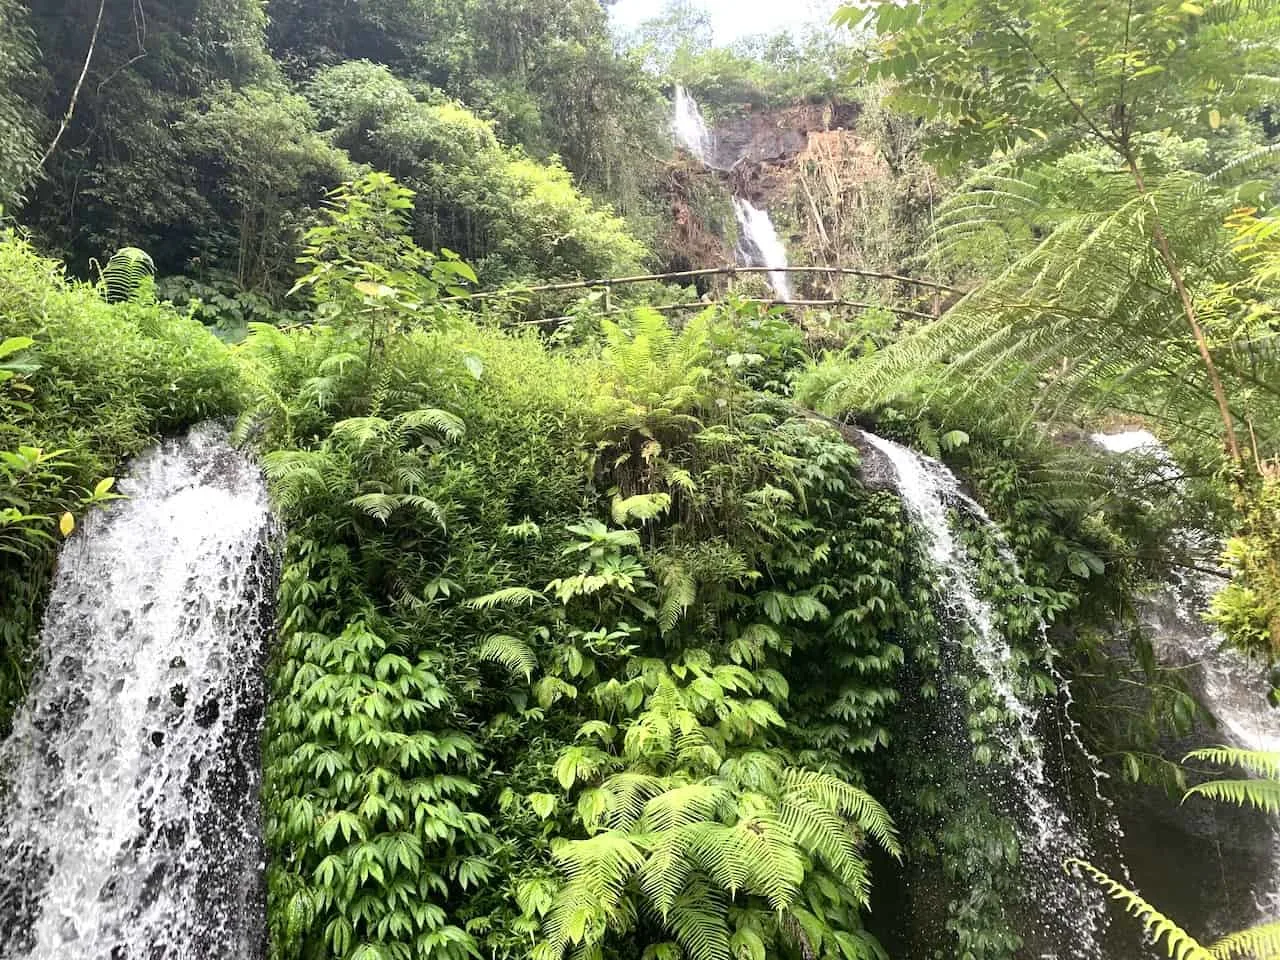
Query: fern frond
x=439, y=421
x=631, y=791
x=665, y=872
x=1256, y=943
x=836, y=795
x=508, y=652
x=1260, y=763
x=128, y=273
x=506, y=597
x=362, y=431
x=698, y=921
x=684, y=805
x=1178, y=943
x=379, y=506
x=1262, y=795
x=678, y=592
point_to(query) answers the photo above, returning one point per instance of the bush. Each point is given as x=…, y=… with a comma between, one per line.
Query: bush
x=97, y=383
x=512, y=216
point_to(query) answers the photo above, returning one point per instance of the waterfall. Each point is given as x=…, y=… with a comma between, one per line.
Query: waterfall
x=760, y=246
x=1070, y=914
x=130, y=781
x=690, y=129
x=1234, y=688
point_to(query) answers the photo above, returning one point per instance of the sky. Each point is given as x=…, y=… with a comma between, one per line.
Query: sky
x=731, y=19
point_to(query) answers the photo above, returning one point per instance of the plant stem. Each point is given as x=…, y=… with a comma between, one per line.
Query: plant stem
x=75, y=94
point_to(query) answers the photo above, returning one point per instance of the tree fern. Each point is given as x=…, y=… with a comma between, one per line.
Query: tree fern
x=1084, y=319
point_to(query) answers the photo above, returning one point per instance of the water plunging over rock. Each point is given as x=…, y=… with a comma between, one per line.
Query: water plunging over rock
x=690, y=129
x=130, y=783
x=760, y=246
x=1234, y=689
x=1068, y=915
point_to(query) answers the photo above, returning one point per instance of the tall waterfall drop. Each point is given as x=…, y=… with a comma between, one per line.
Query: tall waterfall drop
x=130, y=781
x=1070, y=915
x=760, y=246
x=690, y=129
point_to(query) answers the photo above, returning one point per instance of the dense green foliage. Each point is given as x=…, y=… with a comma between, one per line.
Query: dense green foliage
x=1127, y=283
x=654, y=558
x=83, y=384
x=593, y=638
x=513, y=217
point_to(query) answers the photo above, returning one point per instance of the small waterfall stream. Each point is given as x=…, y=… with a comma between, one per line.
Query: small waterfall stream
x=1070, y=914
x=130, y=826
x=690, y=128
x=760, y=246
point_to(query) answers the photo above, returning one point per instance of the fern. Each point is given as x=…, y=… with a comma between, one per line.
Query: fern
x=506, y=597
x=508, y=652
x=1262, y=795
x=678, y=592
x=1085, y=318
x=1259, y=943
x=1178, y=943
x=1260, y=763
x=128, y=276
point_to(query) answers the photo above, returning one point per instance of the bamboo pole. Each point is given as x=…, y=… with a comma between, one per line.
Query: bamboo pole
x=703, y=304
x=608, y=282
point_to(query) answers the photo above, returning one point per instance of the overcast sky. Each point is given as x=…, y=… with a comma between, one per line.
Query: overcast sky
x=733, y=18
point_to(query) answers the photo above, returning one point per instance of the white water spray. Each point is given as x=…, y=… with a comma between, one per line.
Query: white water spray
x=760, y=246
x=130, y=781
x=1071, y=914
x=690, y=128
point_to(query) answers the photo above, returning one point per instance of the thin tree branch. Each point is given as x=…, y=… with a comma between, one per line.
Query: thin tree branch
x=1075, y=104
x=75, y=94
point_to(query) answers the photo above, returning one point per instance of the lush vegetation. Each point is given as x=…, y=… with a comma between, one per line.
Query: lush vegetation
x=594, y=638
x=83, y=384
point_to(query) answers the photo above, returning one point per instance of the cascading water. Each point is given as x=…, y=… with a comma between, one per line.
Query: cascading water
x=1070, y=914
x=1233, y=688
x=690, y=129
x=760, y=246
x=130, y=781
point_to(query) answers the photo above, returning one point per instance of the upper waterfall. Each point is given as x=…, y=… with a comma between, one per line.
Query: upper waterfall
x=131, y=824
x=690, y=128
x=759, y=244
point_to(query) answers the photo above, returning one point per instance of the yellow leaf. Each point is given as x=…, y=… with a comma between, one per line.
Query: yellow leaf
x=1192, y=8
x=67, y=524
x=1215, y=119
x=373, y=289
